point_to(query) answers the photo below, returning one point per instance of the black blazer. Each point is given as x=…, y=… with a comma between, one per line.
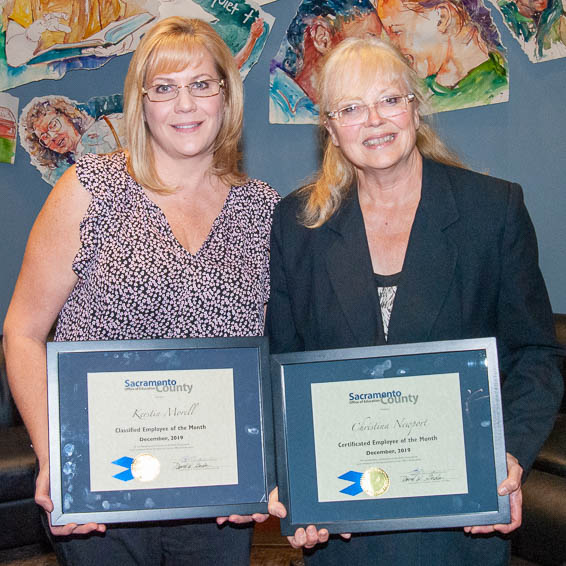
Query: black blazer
x=471, y=270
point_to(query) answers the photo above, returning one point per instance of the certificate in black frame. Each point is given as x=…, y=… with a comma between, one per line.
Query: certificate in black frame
x=475, y=360
x=68, y=364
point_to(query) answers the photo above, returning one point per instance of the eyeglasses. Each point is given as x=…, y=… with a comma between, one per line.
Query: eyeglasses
x=387, y=107
x=199, y=89
x=53, y=127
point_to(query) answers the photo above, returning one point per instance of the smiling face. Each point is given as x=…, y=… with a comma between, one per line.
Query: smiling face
x=380, y=144
x=416, y=34
x=56, y=132
x=187, y=126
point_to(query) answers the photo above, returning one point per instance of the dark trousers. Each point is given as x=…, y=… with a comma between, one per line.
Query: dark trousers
x=199, y=543
x=428, y=548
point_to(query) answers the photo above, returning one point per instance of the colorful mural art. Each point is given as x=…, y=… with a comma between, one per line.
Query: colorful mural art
x=44, y=39
x=8, y=127
x=56, y=131
x=453, y=45
x=538, y=25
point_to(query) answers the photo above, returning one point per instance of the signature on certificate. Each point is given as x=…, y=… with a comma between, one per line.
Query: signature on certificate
x=195, y=464
x=418, y=475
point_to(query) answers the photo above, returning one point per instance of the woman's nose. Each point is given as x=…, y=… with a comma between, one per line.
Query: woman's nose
x=185, y=101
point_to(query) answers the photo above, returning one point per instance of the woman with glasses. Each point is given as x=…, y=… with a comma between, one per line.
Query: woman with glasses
x=168, y=239
x=56, y=131
x=394, y=242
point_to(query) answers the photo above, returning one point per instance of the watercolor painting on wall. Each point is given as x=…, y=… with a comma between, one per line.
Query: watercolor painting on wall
x=8, y=127
x=43, y=39
x=56, y=131
x=538, y=25
x=453, y=46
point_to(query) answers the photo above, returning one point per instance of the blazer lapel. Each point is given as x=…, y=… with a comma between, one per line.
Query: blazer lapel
x=350, y=272
x=430, y=260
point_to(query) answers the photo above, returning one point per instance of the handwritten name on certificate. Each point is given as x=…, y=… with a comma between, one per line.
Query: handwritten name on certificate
x=387, y=438
x=161, y=429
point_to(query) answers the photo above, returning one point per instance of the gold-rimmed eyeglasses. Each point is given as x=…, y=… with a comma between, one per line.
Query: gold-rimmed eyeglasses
x=387, y=107
x=200, y=89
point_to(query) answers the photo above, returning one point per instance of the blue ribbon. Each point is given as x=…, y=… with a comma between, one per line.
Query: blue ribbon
x=125, y=462
x=355, y=478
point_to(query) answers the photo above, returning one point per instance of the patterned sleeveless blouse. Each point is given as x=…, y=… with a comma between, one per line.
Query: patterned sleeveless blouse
x=136, y=281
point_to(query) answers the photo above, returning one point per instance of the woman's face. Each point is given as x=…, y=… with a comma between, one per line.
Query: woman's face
x=380, y=144
x=56, y=132
x=416, y=34
x=186, y=126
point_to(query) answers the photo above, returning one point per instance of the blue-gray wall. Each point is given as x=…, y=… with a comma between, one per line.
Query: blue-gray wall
x=523, y=140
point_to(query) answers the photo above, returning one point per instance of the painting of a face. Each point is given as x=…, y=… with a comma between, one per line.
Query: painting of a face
x=415, y=34
x=365, y=25
x=56, y=132
x=529, y=7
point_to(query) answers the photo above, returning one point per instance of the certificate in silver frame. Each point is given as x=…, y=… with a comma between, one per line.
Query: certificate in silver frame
x=145, y=430
x=386, y=438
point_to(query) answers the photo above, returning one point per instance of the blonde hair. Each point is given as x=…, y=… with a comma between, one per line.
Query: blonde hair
x=170, y=46
x=357, y=62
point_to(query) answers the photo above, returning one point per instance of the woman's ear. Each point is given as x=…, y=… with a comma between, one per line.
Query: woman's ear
x=331, y=133
x=321, y=36
x=444, y=17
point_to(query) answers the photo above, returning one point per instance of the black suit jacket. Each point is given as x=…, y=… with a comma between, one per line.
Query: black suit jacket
x=471, y=270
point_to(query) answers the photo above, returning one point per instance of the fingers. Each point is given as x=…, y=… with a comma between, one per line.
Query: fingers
x=274, y=506
x=75, y=529
x=516, y=504
x=42, y=497
x=514, y=474
x=307, y=538
x=511, y=486
x=240, y=519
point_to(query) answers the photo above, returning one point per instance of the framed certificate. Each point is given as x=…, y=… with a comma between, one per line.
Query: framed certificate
x=159, y=429
x=390, y=437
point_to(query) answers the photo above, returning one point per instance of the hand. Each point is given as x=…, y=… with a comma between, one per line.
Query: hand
x=256, y=28
x=124, y=46
x=49, y=22
x=239, y=519
x=43, y=500
x=303, y=538
x=510, y=486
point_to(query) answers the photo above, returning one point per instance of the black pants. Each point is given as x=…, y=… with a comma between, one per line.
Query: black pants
x=199, y=543
x=419, y=548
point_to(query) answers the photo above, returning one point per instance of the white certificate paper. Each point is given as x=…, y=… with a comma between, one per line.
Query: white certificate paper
x=161, y=429
x=409, y=429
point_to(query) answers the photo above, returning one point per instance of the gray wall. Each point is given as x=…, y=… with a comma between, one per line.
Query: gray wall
x=523, y=140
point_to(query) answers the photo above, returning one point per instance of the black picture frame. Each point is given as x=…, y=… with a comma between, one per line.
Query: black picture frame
x=68, y=364
x=475, y=362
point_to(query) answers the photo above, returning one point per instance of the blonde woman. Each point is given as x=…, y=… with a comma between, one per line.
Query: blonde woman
x=168, y=239
x=395, y=243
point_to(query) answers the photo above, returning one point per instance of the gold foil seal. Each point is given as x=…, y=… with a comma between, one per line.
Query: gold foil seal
x=145, y=467
x=375, y=482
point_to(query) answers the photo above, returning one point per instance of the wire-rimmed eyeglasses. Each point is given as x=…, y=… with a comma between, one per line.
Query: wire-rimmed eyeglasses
x=200, y=89
x=387, y=107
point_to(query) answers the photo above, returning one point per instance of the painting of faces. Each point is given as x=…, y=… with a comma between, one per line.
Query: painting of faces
x=453, y=45
x=56, y=131
x=538, y=25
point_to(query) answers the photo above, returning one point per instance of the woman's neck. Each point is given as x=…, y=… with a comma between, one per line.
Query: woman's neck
x=397, y=186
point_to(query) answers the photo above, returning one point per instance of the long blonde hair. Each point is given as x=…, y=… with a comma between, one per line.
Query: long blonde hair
x=358, y=61
x=170, y=46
